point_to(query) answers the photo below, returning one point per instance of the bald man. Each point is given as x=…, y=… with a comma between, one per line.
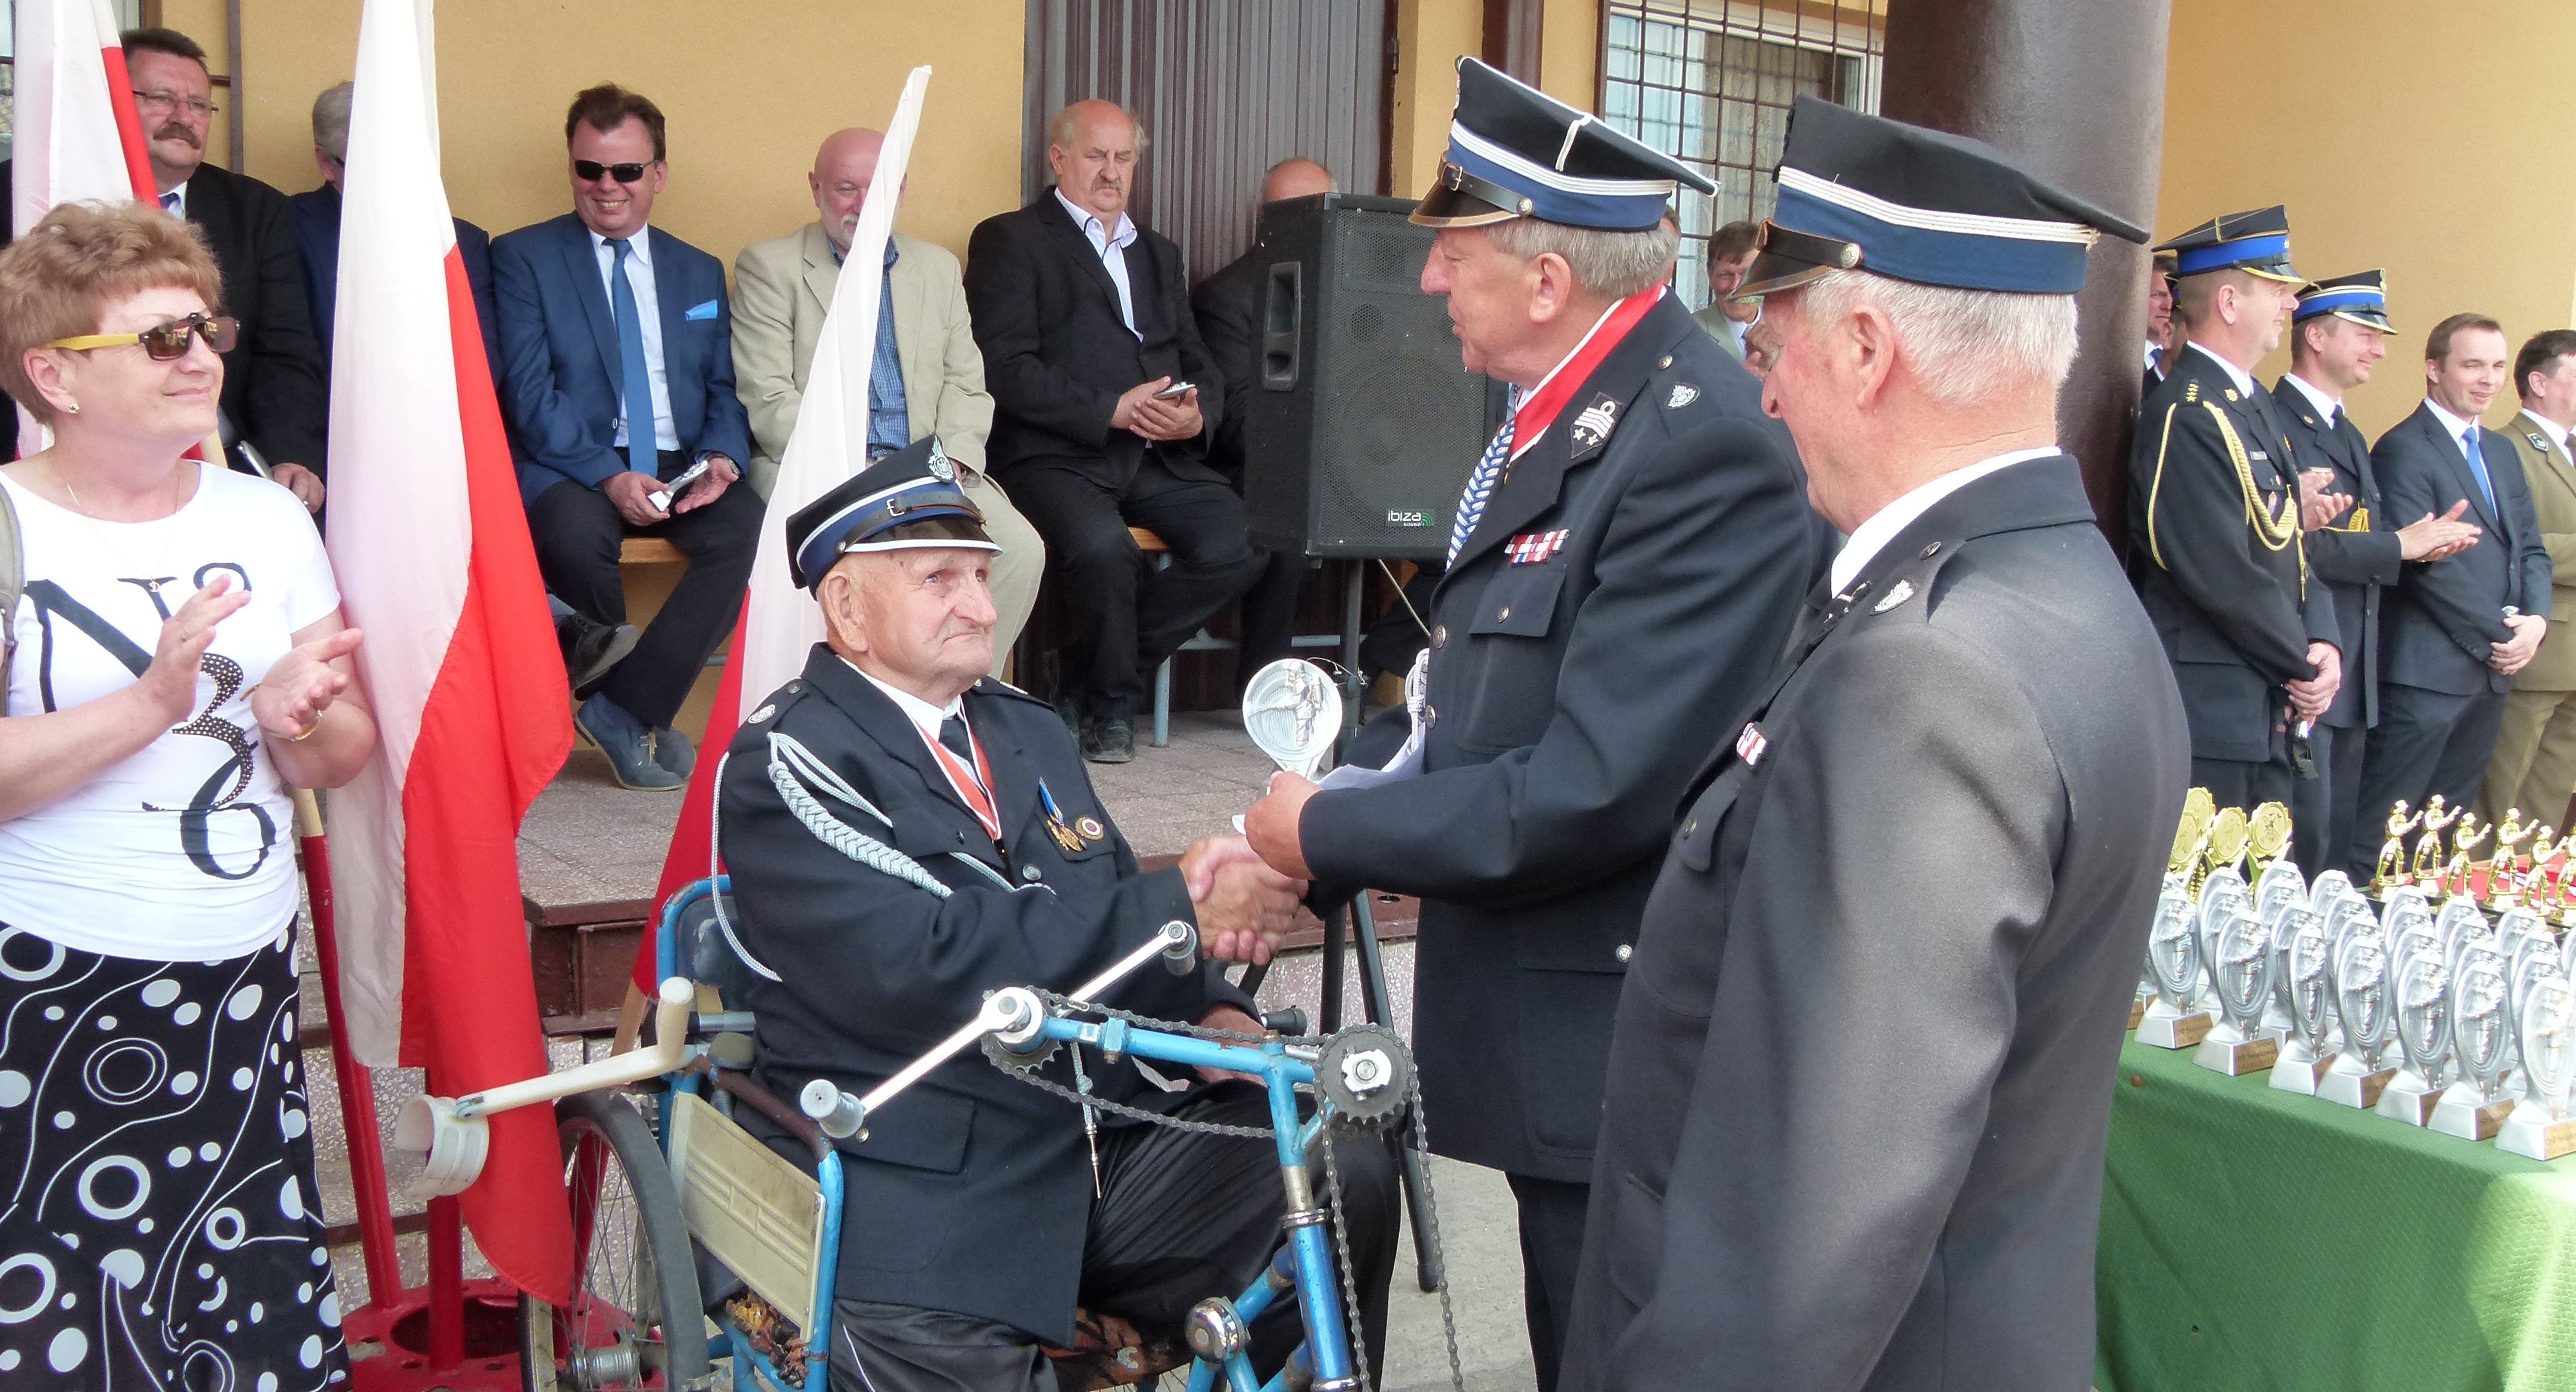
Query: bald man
x=1228, y=307
x=928, y=378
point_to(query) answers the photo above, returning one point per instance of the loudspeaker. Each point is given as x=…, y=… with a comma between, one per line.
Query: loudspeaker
x=1365, y=425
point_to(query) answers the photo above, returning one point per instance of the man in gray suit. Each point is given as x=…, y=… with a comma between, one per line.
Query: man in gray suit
x=1726, y=318
x=782, y=287
x=1860, y=1085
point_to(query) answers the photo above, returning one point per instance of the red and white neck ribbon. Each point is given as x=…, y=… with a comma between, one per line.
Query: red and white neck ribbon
x=973, y=785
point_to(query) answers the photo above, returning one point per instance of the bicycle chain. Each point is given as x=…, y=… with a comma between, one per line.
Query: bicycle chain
x=1431, y=1226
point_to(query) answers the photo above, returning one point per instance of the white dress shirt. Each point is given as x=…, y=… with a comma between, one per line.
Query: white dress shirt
x=648, y=311
x=2557, y=433
x=175, y=202
x=1111, y=248
x=1871, y=536
x=2244, y=380
x=2456, y=427
x=2327, y=406
x=925, y=717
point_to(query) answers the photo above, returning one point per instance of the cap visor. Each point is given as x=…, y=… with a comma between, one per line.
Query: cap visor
x=1444, y=206
x=2366, y=319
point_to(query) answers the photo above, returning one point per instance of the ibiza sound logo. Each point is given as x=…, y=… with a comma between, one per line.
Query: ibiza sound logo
x=1397, y=517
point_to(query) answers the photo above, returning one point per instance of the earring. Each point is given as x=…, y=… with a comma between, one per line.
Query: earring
x=72, y=406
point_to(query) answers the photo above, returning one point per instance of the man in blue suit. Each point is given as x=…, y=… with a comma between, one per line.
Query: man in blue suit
x=617, y=371
x=2459, y=628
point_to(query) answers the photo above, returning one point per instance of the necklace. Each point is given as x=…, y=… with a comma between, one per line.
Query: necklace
x=151, y=580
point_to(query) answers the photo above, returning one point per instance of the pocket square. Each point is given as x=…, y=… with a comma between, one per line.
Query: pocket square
x=706, y=310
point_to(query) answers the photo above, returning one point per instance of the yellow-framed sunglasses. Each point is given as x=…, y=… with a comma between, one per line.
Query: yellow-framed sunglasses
x=166, y=342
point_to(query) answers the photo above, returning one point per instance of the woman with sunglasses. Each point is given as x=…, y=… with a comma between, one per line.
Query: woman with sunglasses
x=178, y=663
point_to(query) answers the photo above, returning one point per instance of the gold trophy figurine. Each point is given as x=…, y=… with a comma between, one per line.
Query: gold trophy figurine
x=2455, y=876
x=2392, y=872
x=2529, y=869
x=2269, y=836
x=2428, y=847
x=2502, y=869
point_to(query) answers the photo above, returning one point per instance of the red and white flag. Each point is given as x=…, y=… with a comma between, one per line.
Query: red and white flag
x=431, y=548
x=780, y=623
x=76, y=137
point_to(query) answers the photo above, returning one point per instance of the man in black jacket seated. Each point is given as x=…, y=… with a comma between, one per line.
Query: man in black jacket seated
x=973, y=1225
x=1103, y=402
x=1227, y=306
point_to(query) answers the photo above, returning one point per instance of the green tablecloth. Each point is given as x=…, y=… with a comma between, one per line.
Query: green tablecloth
x=2254, y=1239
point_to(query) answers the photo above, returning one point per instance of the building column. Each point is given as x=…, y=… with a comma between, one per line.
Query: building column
x=2077, y=94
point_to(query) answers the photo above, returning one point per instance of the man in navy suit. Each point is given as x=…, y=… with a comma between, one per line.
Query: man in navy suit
x=2458, y=628
x=617, y=370
x=2336, y=337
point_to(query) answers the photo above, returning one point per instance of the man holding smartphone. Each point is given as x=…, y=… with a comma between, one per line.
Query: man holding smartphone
x=617, y=368
x=1104, y=403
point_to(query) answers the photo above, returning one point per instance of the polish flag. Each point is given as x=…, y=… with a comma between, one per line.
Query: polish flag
x=780, y=623
x=77, y=138
x=431, y=549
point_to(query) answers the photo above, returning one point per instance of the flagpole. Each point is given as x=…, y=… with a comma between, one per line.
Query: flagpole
x=357, y=1086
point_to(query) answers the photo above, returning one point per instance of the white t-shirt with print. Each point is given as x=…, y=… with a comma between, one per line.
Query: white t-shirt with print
x=184, y=850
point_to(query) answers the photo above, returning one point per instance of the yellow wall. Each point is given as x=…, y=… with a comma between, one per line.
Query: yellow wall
x=1569, y=53
x=1430, y=37
x=2363, y=126
x=745, y=89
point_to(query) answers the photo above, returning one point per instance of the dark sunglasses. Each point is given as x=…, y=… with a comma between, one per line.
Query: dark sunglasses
x=166, y=342
x=588, y=171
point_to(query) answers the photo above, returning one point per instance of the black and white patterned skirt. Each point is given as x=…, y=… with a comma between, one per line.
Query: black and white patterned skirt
x=159, y=1226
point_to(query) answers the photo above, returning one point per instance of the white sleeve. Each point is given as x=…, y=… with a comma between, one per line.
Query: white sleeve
x=311, y=593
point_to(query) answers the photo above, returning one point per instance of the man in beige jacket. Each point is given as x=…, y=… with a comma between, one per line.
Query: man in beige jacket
x=782, y=287
x=2534, y=765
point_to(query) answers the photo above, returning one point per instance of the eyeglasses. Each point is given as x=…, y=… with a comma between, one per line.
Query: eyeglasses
x=588, y=171
x=166, y=342
x=172, y=101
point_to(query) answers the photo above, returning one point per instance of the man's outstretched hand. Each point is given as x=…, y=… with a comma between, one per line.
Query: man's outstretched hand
x=1244, y=907
x=1272, y=824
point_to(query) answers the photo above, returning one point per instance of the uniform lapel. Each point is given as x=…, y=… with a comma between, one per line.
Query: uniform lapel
x=2553, y=461
x=894, y=732
x=590, y=287
x=1532, y=482
x=1015, y=790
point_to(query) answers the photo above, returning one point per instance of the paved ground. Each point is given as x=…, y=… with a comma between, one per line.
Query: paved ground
x=586, y=840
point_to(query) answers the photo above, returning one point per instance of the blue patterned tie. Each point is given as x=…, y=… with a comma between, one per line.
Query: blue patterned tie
x=1480, y=485
x=638, y=389
x=2478, y=466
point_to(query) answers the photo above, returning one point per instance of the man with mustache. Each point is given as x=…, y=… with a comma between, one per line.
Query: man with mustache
x=928, y=376
x=1104, y=403
x=273, y=383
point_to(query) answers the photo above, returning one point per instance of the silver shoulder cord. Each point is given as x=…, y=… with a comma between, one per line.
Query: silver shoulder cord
x=789, y=764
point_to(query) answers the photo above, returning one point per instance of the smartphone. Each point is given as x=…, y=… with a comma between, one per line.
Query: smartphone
x=1175, y=391
x=662, y=497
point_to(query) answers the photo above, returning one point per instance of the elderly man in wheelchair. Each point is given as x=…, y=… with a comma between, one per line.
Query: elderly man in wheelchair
x=906, y=836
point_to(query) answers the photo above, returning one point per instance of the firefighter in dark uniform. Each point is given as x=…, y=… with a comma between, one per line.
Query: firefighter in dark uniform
x=1861, y=1085
x=2215, y=521
x=1625, y=563
x=906, y=834
x=2336, y=338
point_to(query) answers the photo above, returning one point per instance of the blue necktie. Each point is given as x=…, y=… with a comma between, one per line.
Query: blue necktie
x=638, y=389
x=2478, y=466
x=170, y=203
x=1480, y=485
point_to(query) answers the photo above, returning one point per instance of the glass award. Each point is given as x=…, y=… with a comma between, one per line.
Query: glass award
x=2174, y=1019
x=2423, y=993
x=2474, y=1107
x=2360, y=1071
x=2240, y=972
x=2545, y=1018
x=2302, y=985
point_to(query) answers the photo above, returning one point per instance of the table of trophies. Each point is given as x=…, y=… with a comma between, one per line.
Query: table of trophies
x=2335, y=1137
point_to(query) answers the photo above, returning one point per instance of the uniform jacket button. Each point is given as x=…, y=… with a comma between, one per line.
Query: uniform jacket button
x=1626, y=952
x=1507, y=609
x=1667, y=360
x=1440, y=634
x=1030, y=872
x=1692, y=825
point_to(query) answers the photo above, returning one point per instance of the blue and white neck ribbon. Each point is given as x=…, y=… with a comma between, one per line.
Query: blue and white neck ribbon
x=1480, y=484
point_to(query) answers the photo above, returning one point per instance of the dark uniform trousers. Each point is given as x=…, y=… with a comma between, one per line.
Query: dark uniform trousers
x=2214, y=533
x=1665, y=538
x=972, y=1232
x=1860, y=1089
x=578, y=531
x=1125, y=615
x=2356, y=557
x=2441, y=704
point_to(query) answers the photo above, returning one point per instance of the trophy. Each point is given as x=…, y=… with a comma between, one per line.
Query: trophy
x=2391, y=871
x=2327, y=888
x=2423, y=990
x=2173, y=1020
x=2267, y=837
x=2464, y=844
x=2482, y=1040
x=1293, y=712
x=2229, y=836
x=2546, y=1018
x=2240, y=971
x=2358, y=1075
x=2191, y=841
x=2302, y=984
x=2222, y=893
x=2428, y=848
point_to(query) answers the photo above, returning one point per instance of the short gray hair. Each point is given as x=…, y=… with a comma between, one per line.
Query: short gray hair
x=1964, y=345
x=1613, y=265
x=331, y=120
x=1060, y=129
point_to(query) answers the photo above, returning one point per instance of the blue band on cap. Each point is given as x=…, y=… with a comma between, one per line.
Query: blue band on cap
x=2358, y=298
x=1610, y=212
x=918, y=505
x=2246, y=251
x=1960, y=260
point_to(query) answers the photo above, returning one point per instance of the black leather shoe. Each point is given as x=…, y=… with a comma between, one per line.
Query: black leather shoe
x=1109, y=741
x=591, y=650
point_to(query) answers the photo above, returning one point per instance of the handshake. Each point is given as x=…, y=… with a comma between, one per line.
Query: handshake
x=1245, y=904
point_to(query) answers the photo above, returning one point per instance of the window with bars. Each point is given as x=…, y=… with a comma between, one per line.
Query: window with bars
x=1709, y=82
